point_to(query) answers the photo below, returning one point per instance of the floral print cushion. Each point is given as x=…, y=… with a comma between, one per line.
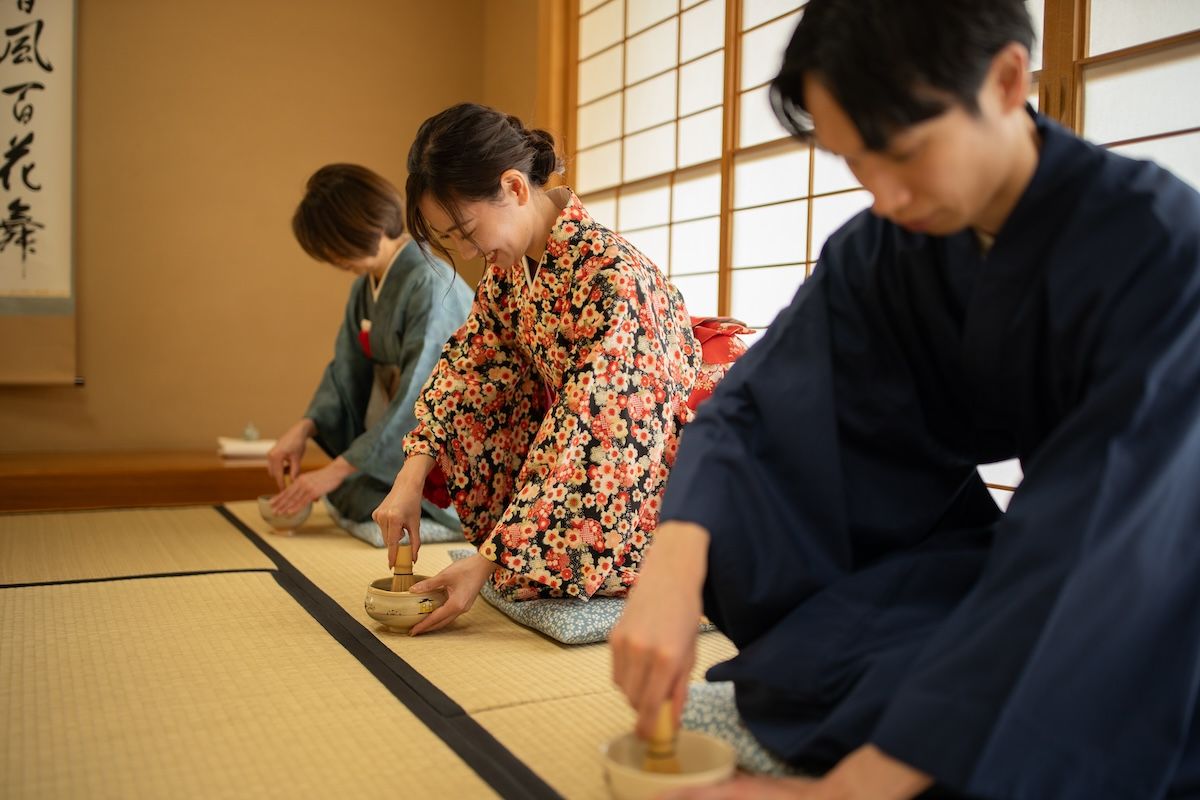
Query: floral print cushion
x=567, y=620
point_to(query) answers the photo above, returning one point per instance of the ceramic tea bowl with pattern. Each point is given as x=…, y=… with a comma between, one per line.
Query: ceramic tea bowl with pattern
x=399, y=611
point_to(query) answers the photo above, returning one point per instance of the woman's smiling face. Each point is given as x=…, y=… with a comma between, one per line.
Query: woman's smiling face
x=498, y=229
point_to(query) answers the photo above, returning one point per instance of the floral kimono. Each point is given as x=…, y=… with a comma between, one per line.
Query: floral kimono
x=555, y=412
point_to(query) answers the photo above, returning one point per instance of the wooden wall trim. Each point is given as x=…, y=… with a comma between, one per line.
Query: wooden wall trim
x=71, y=481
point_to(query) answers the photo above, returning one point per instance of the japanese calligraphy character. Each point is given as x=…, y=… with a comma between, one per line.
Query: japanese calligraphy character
x=16, y=151
x=23, y=111
x=19, y=228
x=19, y=45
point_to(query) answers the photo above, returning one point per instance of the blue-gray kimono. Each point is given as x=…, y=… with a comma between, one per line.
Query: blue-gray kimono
x=875, y=592
x=420, y=304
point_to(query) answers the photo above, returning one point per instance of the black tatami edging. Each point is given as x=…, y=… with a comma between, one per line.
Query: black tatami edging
x=138, y=577
x=502, y=771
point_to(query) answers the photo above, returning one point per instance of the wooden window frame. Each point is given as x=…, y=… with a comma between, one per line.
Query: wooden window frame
x=1060, y=85
x=1065, y=59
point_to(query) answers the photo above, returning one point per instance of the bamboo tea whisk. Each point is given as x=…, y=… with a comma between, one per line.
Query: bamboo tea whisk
x=402, y=570
x=660, y=750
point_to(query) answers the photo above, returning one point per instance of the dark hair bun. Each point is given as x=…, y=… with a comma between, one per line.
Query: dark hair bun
x=545, y=159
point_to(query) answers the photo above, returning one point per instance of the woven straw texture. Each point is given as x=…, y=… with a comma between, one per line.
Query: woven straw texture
x=569, y=761
x=222, y=685
x=483, y=660
x=205, y=686
x=42, y=548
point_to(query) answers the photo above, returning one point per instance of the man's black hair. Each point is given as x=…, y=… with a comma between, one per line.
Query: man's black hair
x=893, y=63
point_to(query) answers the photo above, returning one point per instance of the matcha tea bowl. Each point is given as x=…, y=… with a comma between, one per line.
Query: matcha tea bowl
x=283, y=525
x=698, y=760
x=399, y=611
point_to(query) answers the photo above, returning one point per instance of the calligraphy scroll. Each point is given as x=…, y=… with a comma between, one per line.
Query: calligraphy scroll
x=37, y=300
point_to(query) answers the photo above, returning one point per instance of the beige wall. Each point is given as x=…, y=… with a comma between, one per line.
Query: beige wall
x=525, y=55
x=510, y=56
x=197, y=123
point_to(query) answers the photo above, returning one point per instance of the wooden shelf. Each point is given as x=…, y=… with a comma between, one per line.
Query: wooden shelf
x=60, y=481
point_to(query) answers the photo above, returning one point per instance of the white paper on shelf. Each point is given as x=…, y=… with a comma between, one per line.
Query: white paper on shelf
x=230, y=447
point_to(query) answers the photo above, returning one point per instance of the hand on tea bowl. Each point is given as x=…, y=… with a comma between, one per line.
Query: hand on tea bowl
x=754, y=787
x=462, y=581
x=311, y=485
x=867, y=773
x=281, y=524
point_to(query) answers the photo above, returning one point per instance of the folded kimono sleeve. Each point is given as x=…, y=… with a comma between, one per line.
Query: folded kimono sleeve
x=427, y=323
x=339, y=405
x=474, y=375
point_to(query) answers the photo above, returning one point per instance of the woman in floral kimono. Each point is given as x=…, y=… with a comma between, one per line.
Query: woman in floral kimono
x=402, y=307
x=552, y=418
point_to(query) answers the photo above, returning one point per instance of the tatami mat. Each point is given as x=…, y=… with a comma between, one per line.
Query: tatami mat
x=484, y=660
x=87, y=545
x=570, y=760
x=199, y=686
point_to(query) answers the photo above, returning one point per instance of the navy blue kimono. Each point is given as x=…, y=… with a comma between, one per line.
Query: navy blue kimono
x=875, y=592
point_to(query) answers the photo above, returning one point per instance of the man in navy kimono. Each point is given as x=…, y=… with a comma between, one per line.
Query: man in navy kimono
x=1013, y=292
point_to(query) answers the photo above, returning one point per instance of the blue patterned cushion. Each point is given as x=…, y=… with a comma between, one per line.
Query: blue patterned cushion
x=568, y=620
x=432, y=532
x=711, y=709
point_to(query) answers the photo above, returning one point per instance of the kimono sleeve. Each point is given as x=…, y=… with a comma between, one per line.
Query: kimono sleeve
x=1072, y=668
x=475, y=373
x=339, y=405
x=429, y=318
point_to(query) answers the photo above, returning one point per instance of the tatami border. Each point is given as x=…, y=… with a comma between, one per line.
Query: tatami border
x=504, y=773
x=136, y=576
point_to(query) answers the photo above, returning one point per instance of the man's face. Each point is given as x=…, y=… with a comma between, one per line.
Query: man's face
x=938, y=176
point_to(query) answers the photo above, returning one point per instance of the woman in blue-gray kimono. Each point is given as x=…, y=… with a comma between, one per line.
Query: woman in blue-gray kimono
x=403, y=307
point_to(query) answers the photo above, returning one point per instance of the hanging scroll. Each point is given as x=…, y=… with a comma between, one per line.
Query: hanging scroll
x=37, y=301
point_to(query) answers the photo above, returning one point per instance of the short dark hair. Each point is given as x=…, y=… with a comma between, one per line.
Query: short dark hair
x=346, y=210
x=893, y=63
x=460, y=154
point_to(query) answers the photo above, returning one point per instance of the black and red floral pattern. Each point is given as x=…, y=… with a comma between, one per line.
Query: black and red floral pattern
x=555, y=411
